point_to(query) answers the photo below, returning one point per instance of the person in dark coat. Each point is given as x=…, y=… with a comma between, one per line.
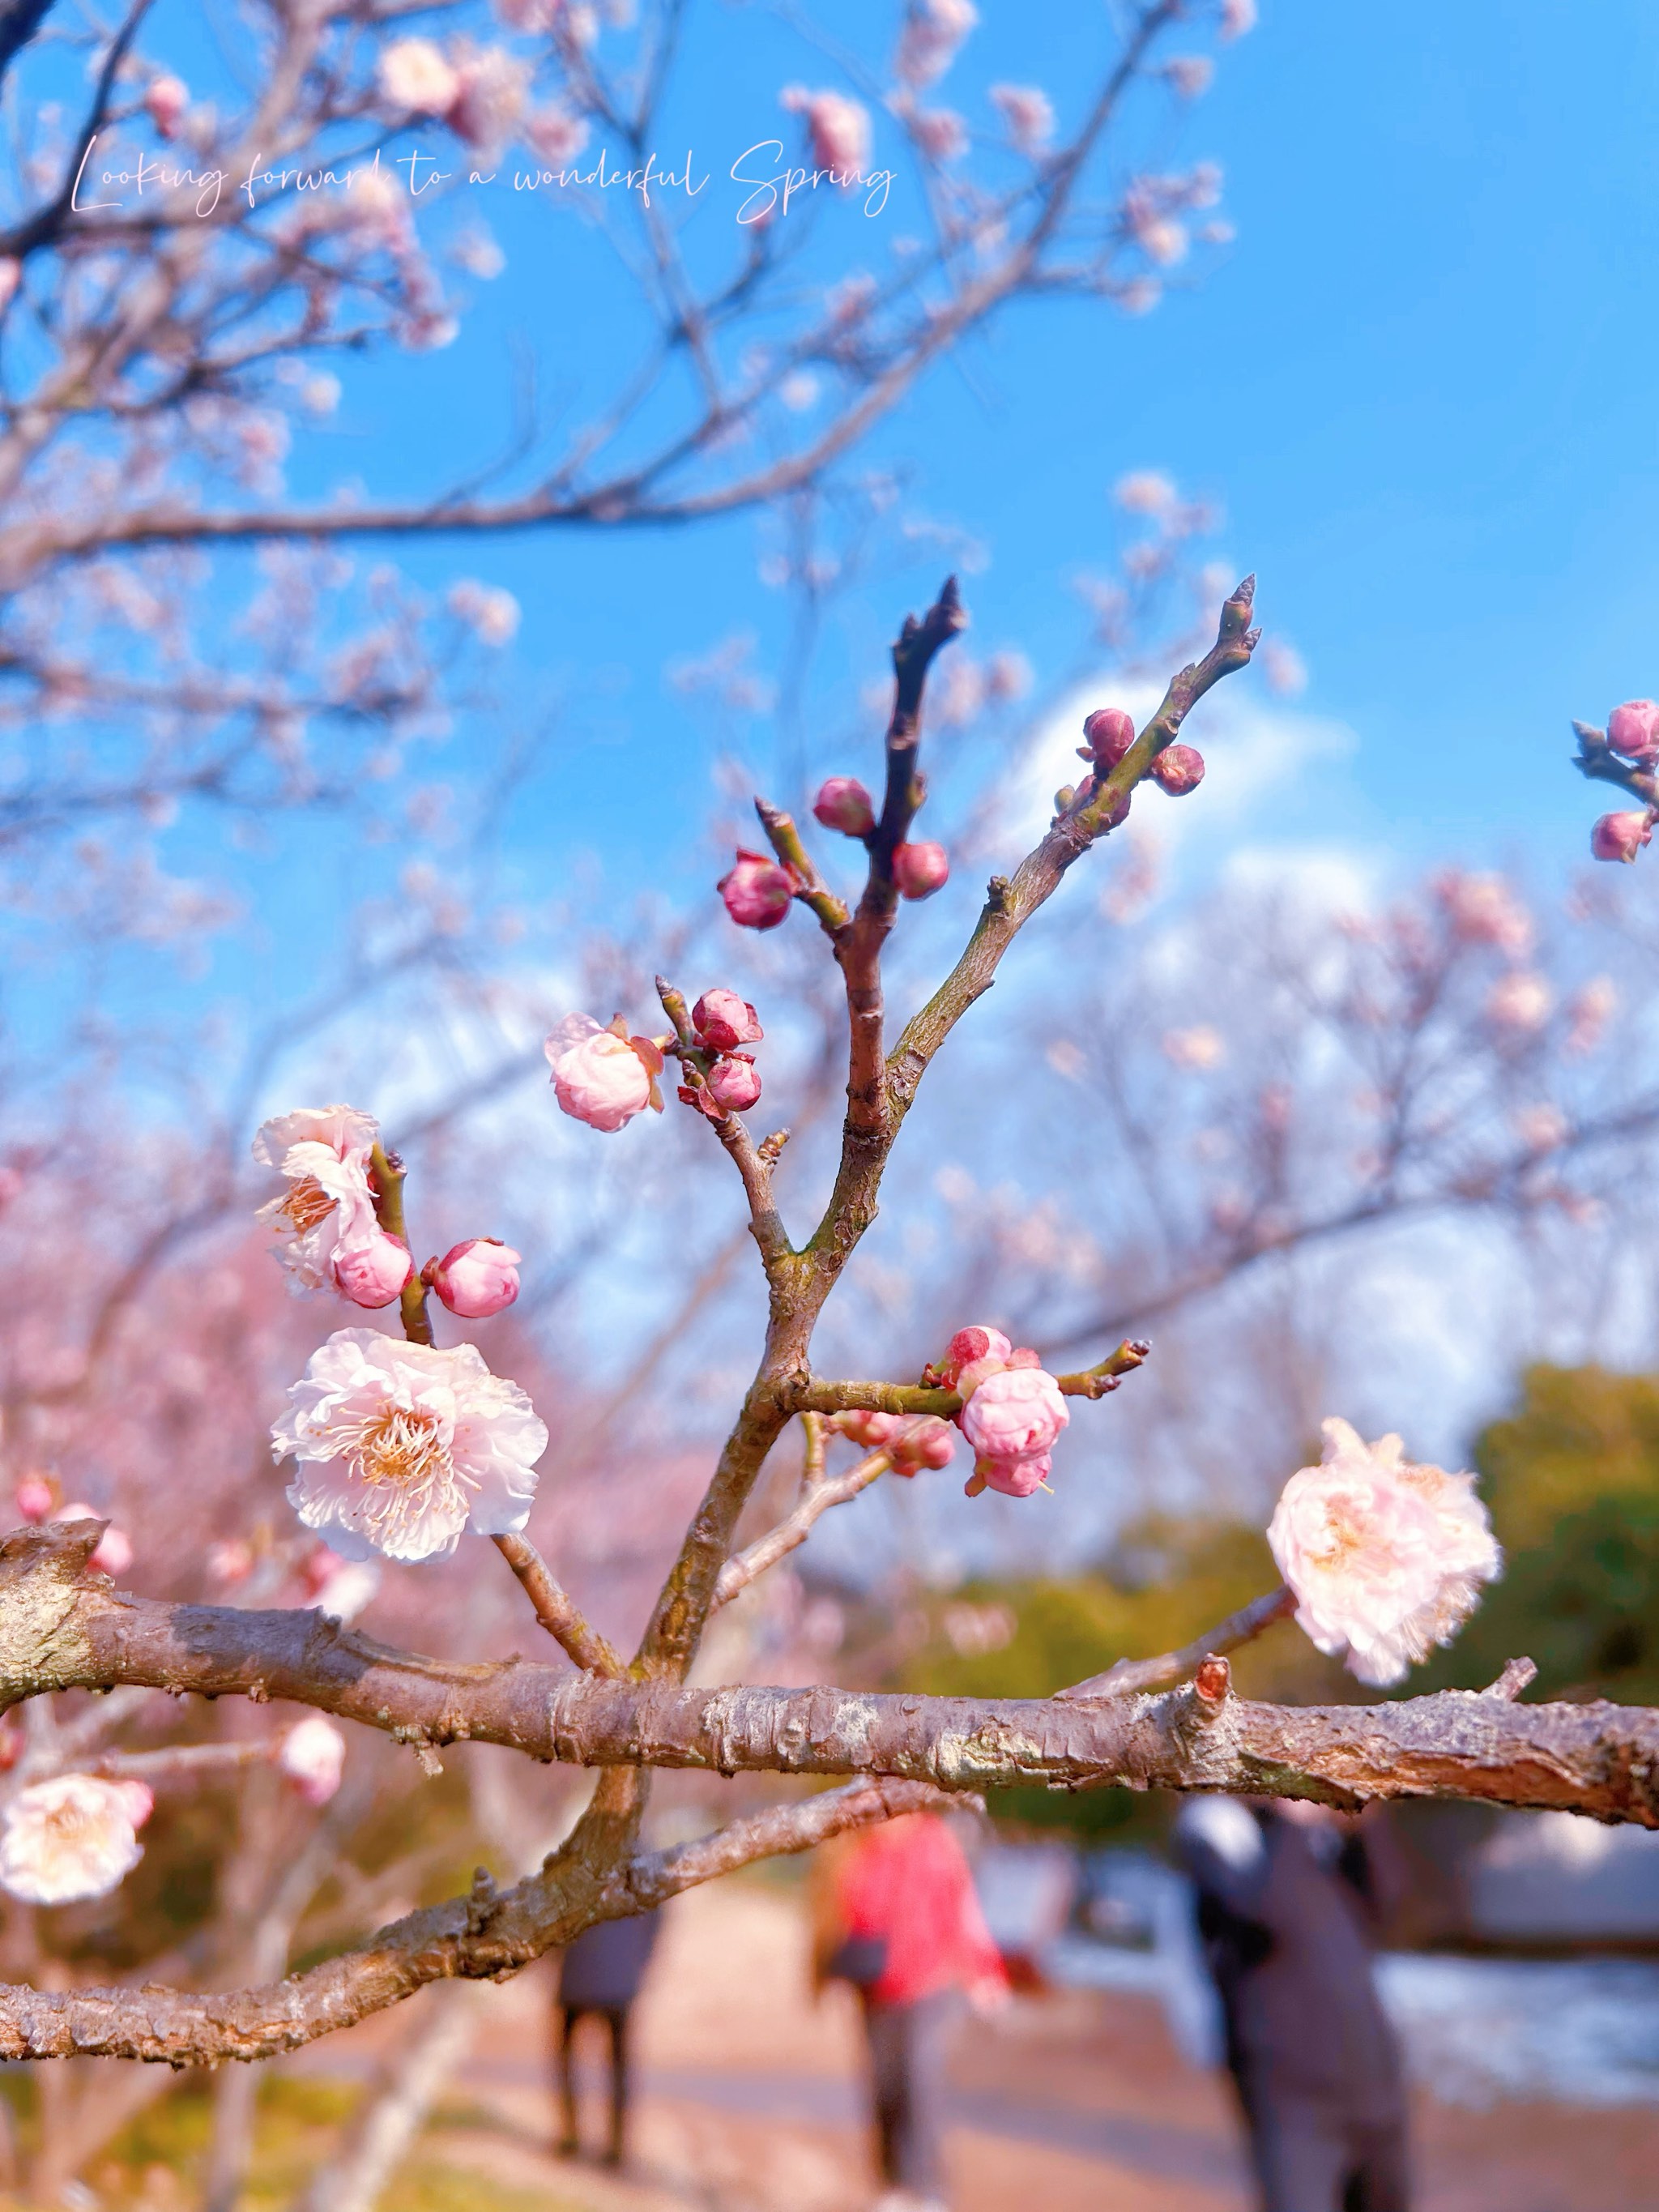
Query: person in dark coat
x=1290, y=1903
x=601, y=1973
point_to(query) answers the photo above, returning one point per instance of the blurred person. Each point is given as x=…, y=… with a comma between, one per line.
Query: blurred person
x=601, y=1974
x=1291, y=1901
x=896, y=1914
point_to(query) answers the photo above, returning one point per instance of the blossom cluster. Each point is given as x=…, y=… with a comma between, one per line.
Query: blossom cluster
x=1632, y=731
x=1386, y=1559
x=1012, y=1411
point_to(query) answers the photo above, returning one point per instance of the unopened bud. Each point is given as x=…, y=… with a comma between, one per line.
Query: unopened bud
x=1179, y=769
x=113, y=1555
x=723, y=1021
x=843, y=803
x=867, y=1427
x=372, y=1273
x=165, y=101
x=1109, y=732
x=475, y=1278
x=1633, y=729
x=756, y=892
x=35, y=1498
x=1620, y=836
x=919, y=870
x=733, y=1083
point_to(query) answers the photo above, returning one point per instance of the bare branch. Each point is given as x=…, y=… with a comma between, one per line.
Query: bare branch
x=1131, y=1674
x=794, y=1529
x=557, y=1611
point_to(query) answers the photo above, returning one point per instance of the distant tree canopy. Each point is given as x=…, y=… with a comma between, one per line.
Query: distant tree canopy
x=1572, y=1479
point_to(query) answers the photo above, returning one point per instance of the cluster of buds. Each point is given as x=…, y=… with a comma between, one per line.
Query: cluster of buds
x=1632, y=733
x=1011, y=1410
x=920, y=868
x=1107, y=734
x=911, y=1441
x=728, y=1082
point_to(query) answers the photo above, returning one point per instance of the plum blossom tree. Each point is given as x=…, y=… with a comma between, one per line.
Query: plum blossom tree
x=402, y=1447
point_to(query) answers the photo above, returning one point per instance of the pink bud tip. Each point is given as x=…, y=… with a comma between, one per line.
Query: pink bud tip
x=475, y=1278
x=970, y=1345
x=34, y=1498
x=1633, y=729
x=926, y=1441
x=1620, y=836
x=756, y=892
x=372, y=1273
x=1110, y=732
x=733, y=1083
x=919, y=870
x=114, y=1553
x=843, y=803
x=137, y=1801
x=723, y=1021
x=1179, y=769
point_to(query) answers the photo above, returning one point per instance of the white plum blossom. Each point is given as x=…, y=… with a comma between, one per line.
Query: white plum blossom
x=839, y=128
x=603, y=1076
x=1028, y=113
x=402, y=1447
x=1385, y=1557
x=72, y=1838
x=312, y=1758
x=491, y=613
x=415, y=78
x=328, y=1208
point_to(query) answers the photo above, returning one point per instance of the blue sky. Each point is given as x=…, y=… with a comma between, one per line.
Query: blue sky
x=1420, y=384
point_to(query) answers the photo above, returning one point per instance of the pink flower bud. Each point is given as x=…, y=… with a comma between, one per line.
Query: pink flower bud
x=733, y=1083
x=723, y=1021
x=1014, y=1414
x=475, y=1278
x=843, y=803
x=756, y=892
x=925, y=1441
x=919, y=870
x=1109, y=732
x=968, y=1345
x=13, y=1742
x=374, y=1272
x=165, y=101
x=35, y=1498
x=1620, y=836
x=137, y=1801
x=312, y=1757
x=1179, y=769
x=1634, y=730
x=602, y=1077
x=874, y=1431
x=114, y=1553
x=1014, y=1478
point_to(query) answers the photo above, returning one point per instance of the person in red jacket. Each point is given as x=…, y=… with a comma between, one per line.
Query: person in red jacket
x=899, y=1918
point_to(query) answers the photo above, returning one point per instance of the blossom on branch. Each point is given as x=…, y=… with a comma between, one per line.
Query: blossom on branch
x=402, y=1447
x=70, y=1838
x=723, y=1021
x=911, y=1441
x=475, y=1278
x=1011, y=1412
x=757, y=892
x=1385, y=1557
x=1634, y=730
x=843, y=803
x=328, y=1207
x=1178, y=770
x=1621, y=836
x=312, y=1758
x=1028, y=114
x=920, y=870
x=415, y=79
x=732, y=1086
x=374, y=1273
x=604, y=1077
x=839, y=129
x=1107, y=734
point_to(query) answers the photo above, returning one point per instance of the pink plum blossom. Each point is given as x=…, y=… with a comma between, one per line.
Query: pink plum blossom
x=1190, y=75
x=340, y=1587
x=555, y=135
x=603, y=1076
x=328, y=1207
x=415, y=79
x=11, y=276
x=312, y=1758
x=231, y=1561
x=723, y=1021
x=920, y=870
x=933, y=31
x=374, y=1272
x=843, y=803
x=1027, y=114
x=1621, y=836
x=491, y=86
x=1237, y=16
x=923, y=1441
x=35, y=1498
x=492, y=614
x=1178, y=770
x=1520, y=1001
x=1107, y=734
x=966, y=1347
x=1014, y=1414
x=402, y=1447
x=868, y=1427
x=756, y=892
x=839, y=128
x=939, y=132
x=733, y=1083
x=1483, y=910
x=1588, y=1012
x=476, y=1279
x=1385, y=1558
x=165, y=103
x=1633, y=729
x=70, y=1838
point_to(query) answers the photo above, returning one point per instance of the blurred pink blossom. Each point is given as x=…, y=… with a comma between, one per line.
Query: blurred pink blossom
x=165, y=102
x=1633, y=729
x=415, y=79
x=312, y=1757
x=35, y=1498
x=1521, y=1001
x=70, y=1838
x=1027, y=114
x=838, y=127
x=933, y=32
x=1485, y=910
x=1621, y=836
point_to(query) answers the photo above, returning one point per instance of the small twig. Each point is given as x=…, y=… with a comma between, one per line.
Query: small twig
x=777, y=1543
x=785, y=840
x=1131, y=1674
x=389, y=1173
x=555, y=1610
x=1514, y=1678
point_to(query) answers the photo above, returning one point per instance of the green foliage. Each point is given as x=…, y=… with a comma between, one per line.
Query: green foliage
x=1572, y=1479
